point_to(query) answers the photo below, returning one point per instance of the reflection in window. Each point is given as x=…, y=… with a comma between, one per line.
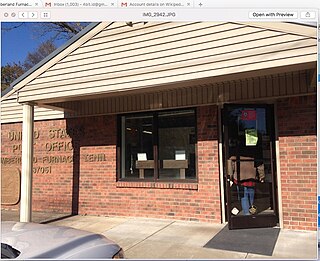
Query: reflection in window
x=137, y=147
x=249, y=136
x=176, y=144
x=163, y=139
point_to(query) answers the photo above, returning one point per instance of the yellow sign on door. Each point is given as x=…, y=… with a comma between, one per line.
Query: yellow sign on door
x=251, y=137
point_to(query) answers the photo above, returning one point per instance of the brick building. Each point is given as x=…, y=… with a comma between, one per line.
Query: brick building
x=144, y=121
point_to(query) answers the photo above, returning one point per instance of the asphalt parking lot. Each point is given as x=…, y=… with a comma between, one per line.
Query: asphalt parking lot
x=147, y=238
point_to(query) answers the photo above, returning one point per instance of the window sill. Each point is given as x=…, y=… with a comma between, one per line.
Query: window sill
x=157, y=185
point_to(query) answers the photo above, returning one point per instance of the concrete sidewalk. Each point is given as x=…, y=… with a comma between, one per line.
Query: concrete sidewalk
x=161, y=239
x=143, y=238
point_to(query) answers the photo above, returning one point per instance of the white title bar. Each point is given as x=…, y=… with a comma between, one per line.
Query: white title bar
x=311, y=4
x=160, y=14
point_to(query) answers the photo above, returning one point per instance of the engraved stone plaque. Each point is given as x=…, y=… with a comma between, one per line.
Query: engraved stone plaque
x=10, y=185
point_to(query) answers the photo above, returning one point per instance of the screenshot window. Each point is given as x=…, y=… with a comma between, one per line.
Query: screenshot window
x=175, y=129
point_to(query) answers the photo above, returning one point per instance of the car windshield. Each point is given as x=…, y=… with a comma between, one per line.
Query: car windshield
x=8, y=251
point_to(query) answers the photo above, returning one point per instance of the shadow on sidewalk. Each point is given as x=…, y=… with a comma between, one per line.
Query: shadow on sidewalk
x=37, y=217
x=57, y=219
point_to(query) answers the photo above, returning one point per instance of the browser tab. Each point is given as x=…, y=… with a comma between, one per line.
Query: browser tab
x=156, y=4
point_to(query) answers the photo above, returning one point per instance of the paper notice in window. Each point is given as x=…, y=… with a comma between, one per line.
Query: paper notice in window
x=251, y=137
x=180, y=155
x=235, y=211
x=142, y=156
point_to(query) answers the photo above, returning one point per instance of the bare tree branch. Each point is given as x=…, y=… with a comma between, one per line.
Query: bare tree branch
x=42, y=52
x=10, y=28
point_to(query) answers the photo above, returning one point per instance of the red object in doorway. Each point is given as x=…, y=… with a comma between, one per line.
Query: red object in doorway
x=248, y=115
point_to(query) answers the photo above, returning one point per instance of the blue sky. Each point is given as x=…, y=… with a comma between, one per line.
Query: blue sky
x=16, y=43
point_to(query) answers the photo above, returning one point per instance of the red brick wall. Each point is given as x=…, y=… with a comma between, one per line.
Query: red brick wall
x=101, y=195
x=87, y=182
x=298, y=161
x=90, y=179
x=53, y=167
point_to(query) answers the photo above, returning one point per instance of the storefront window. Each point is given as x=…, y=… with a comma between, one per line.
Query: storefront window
x=158, y=146
x=137, y=147
x=176, y=144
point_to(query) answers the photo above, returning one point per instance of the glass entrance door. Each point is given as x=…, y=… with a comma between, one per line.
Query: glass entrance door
x=250, y=166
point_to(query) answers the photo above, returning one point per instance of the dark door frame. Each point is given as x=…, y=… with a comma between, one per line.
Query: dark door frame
x=267, y=220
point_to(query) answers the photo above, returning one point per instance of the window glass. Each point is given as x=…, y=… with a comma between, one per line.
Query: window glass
x=137, y=147
x=176, y=145
x=249, y=160
x=171, y=134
